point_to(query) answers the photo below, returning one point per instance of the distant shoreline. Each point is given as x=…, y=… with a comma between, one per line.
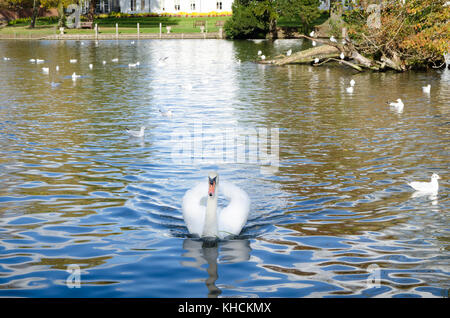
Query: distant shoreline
x=130, y=36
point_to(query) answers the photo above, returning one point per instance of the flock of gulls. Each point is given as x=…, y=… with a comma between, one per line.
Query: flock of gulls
x=210, y=221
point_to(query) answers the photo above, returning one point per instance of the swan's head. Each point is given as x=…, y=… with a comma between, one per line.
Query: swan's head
x=213, y=181
x=435, y=177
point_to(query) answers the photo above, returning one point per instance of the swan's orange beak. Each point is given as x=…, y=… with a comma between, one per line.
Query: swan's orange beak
x=212, y=187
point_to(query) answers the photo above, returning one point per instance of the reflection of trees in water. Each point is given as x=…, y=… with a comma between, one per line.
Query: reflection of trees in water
x=213, y=253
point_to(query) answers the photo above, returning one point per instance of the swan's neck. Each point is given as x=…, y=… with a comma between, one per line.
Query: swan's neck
x=210, y=227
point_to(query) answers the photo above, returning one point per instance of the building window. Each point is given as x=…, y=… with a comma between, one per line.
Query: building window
x=177, y=5
x=219, y=5
x=142, y=5
x=133, y=5
x=193, y=5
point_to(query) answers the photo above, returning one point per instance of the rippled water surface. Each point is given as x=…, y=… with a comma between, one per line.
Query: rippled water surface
x=335, y=218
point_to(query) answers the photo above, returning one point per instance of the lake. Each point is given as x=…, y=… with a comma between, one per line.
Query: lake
x=88, y=211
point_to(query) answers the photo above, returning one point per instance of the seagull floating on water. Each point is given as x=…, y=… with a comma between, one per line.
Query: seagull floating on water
x=428, y=187
x=57, y=68
x=6, y=58
x=45, y=70
x=38, y=61
x=426, y=89
x=104, y=62
x=289, y=52
x=134, y=64
x=73, y=61
x=91, y=66
x=138, y=134
x=316, y=60
x=352, y=82
x=398, y=105
x=75, y=76
x=166, y=113
x=115, y=60
x=53, y=84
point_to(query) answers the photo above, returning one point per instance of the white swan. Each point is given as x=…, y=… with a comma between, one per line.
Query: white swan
x=209, y=221
x=428, y=187
x=426, y=89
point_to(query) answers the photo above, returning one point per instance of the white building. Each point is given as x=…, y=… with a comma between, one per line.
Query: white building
x=164, y=6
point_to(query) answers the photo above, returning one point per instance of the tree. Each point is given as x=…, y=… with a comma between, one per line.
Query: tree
x=412, y=34
x=91, y=13
x=305, y=11
x=251, y=18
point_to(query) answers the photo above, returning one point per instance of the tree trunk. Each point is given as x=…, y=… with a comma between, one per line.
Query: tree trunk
x=36, y=4
x=91, y=13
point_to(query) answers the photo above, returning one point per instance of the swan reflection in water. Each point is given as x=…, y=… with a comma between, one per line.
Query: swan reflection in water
x=213, y=253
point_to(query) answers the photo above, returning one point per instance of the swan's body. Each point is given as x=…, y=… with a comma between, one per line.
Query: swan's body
x=138, y=134
x=426, y=89
x=428, y=187
x=210, y=221
x=398, y=105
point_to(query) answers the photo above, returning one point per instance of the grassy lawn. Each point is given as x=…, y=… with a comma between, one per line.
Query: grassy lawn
x=126, y=25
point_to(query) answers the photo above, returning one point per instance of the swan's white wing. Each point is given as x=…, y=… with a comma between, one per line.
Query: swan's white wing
x=233, y=218
x=193, y=211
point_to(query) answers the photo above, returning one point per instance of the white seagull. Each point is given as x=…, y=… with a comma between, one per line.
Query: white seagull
x=426, y=89
x=398, y=105
x=91, y=66
x=342, y=56
x=313, y=43
x=6, y=58
x=73, y=61
x=332, y=39
x=316, y=60
x=167, y=113
x=312, y=34
x=263, y=57
x=45, y=70
x=39, y=61
x=428, y=187
x=115, y=60
x=57, y=68
x=138, y=134
x=352, y=82
x=104, y=62
x=75, y=76
x=259, y=53
x=349, y=89
x=289, y=52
